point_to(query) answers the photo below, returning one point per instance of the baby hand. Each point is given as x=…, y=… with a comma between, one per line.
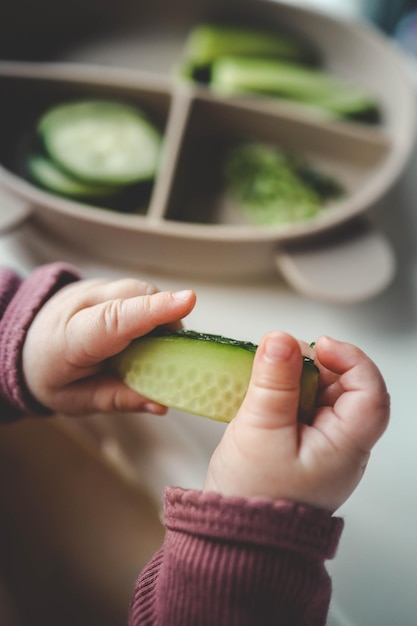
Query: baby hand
x=266, y=452
x=79, y=328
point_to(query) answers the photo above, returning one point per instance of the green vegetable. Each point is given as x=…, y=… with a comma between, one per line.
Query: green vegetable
x=273, y=187
x=310, y=86
x=48, y=175
x=208, y=42
x=235, y=59
x=199, y=373
x=100, y=142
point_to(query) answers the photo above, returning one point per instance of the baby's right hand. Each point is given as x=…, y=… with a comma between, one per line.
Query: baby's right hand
x=266, y=452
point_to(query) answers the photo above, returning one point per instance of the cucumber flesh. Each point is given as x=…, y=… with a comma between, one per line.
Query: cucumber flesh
x=44, y=172
x=206, y=375
x=101, y=142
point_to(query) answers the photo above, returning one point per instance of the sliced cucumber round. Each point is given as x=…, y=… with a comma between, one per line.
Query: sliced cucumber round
x=203, y=374
x=101, y=142
x=44, y=172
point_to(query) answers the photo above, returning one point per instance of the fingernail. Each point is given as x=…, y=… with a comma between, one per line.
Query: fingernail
x=277, y=350
x=183, y=295
x=154, y=409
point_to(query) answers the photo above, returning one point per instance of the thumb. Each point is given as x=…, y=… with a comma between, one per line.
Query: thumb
x=273, y=394
x=100, y=331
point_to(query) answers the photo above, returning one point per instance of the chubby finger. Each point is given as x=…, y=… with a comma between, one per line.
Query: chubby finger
x=123, y=288
x=362, y=403
x=97, y=290
x=273, y=394
x=98, y=332
x=103, y=394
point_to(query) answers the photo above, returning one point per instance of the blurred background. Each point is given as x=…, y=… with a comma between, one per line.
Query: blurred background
x=41, y=30
x=70, y=500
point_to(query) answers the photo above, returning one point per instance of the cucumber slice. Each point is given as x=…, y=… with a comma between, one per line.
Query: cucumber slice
x=46, y=174
x=203, y=374
x=316, y=88
x=101, y=142
x=208, y=42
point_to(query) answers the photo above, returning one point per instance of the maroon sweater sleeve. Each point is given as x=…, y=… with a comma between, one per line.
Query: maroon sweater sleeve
x=237, y=562
x=20, y=301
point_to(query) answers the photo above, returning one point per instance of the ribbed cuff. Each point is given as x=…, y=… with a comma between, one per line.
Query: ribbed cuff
x=9, y=284
x=18, y=315
x=258, y=522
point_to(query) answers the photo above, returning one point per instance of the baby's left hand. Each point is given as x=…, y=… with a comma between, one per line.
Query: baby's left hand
x=83, y=325
x=266, y=452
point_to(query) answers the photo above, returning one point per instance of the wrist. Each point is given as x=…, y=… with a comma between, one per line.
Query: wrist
x=21, y=310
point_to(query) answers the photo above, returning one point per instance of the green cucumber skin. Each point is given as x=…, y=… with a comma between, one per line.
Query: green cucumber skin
x=308, y=391
x=206, y=375
x=193, y=334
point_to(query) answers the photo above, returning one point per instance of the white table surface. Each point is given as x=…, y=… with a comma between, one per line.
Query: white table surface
x=375, y=572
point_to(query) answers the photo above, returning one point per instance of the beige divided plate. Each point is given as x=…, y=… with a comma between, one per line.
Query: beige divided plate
x=186, y=224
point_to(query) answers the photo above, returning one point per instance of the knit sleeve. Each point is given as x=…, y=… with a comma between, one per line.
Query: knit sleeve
x=20, y=301
x=237, y=562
